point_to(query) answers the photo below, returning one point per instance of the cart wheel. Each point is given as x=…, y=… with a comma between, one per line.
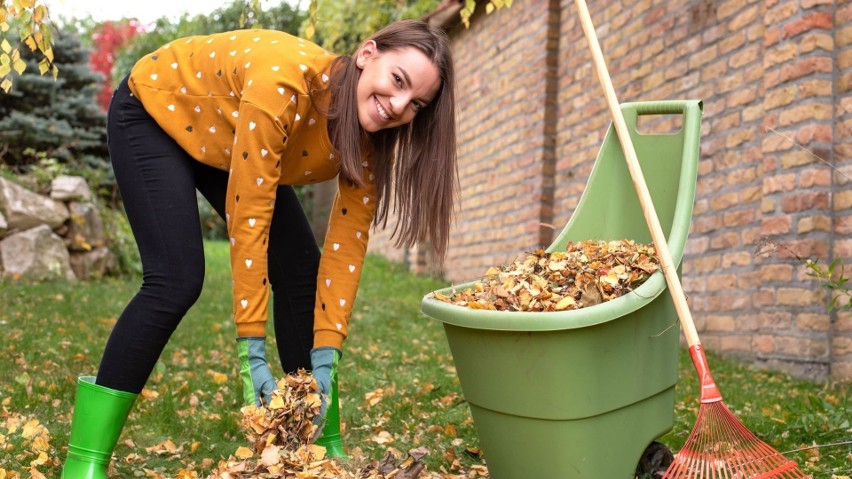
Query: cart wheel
x=654, y=461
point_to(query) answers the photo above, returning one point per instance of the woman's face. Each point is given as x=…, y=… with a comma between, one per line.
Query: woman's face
x=394, y=85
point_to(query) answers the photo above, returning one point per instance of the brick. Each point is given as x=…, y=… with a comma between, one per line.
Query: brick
x=812, y=132
x=798, y=297
x=816, y=41
x=741, y=97
x=763, y=344
x=780, y=54
x=724, y=201
x=807, y=4
x=813, y=223
x=800, y=113
x=843, y=36
x=739, y=258
x=783, y=11
x=731, y=42
x=776, y=272
x=701, y=57
x=739, y=218
x=737, y=342
x=813, y=322
x=748, y=282
x=764, y=297
x=747, y=322
x=725, y=241
x=816, y=87
x=745, y=56
x=776, y=320
x=844, y=59
x=805, y=201
x=818, y=20
x=842, y=200
x=725, y=9
x=777, y=225
x=780, y=96
x=739, y=137
x=841, y=345
x=719, y=323
x=843, y=225
x=776, y=183
x=806, y=66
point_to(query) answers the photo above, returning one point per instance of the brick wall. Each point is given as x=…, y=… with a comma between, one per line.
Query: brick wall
x=775, y=77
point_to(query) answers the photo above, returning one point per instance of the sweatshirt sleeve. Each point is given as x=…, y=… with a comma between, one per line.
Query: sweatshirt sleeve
x=259, y=142
x=342, y=260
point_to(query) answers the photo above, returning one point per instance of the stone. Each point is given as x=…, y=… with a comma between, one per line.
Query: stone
x=94, y=264
x=86, y=228
x=3, y=225
x=36, y=254
x=70, y=188
x=24, y=209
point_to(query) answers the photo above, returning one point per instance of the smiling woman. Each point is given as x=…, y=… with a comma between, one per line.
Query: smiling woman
x=243, y=116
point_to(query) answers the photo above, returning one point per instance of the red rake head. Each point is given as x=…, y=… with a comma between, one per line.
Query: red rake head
x=721, y=447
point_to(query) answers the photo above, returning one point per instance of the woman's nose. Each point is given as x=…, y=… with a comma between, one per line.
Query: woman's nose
x=397, y=104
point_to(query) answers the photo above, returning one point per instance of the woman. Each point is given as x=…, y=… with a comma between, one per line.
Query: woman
x=241, y=116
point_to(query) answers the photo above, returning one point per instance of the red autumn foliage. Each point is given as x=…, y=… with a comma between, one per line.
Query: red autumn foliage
x=108, y=38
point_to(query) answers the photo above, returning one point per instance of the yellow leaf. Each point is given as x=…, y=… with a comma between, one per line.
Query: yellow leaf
x=6, y=85
x=43, y=66
x=39, y=13
x=489, y=7
x=19, y=66
x=27, y=3
x=6, y=46
x=243, y=453
x=276, y=403
x=219, y=378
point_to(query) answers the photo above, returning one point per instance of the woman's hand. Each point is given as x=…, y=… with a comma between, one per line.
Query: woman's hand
x=258, y=382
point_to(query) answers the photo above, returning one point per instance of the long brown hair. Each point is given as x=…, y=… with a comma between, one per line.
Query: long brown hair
x=415, y=164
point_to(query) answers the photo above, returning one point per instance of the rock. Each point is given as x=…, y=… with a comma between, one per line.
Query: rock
x=24, y=209
x=3, y=225
x=70, y=188
x=35, y=254
x=93, y=264
x=86, y=228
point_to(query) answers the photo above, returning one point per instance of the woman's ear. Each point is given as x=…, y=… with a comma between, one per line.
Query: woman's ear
x=365, y=53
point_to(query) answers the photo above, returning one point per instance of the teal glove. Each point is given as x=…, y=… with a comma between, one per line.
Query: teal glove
x=324, y=363
x=258, y=382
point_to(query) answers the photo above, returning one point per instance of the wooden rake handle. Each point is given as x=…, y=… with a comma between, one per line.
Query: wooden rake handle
x=669, y=269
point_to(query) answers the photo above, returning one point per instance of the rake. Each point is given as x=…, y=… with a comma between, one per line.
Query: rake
x=720, y=446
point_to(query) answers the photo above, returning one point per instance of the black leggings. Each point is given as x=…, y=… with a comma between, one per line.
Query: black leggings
x=158, y=182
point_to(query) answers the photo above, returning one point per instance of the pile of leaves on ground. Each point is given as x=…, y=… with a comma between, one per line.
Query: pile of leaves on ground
x=280, y=437
x=585, y=274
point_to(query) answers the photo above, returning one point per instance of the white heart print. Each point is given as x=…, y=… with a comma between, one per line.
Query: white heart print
x=280, y=91
x=342, y=302
x=328, y=282
x=244, y=303
x=351, y=268
x=263, y=152
x=259, y=181
x=339, y=326
x=248, y=263
x=336, y=246
x=252, y=221
x=233, y=241
x=252, y=125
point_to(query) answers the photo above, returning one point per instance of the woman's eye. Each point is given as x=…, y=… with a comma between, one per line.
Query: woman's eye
x=417, y=106
x=397, y=79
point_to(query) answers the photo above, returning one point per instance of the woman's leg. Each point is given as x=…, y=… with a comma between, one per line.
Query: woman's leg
x=293, y=265
x=157, y=183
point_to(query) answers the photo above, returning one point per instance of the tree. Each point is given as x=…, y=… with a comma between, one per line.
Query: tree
x=107, y=38
x=237, y=15
x=33, y=30
x=57, y=119
x=341, y=25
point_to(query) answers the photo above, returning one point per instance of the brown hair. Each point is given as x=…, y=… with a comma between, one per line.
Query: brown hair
x=415, y=164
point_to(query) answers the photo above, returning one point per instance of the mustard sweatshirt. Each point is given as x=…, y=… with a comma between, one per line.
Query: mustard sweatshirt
x=240, y=101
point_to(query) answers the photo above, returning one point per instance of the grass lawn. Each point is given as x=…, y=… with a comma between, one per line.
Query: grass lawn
x=398, y=385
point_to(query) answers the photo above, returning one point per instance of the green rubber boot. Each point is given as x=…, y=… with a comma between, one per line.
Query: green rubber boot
x=99, y=415
x=330, y=438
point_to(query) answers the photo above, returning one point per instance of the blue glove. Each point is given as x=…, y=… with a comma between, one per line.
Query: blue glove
x=324, y=363
x=258, y=382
